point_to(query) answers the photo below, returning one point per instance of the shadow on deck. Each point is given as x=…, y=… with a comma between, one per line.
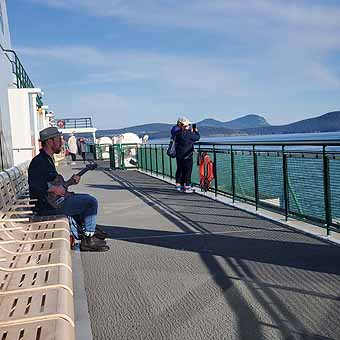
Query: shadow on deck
x=187, y=267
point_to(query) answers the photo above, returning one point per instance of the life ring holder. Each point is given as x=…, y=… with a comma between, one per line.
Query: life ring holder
x=60, y=123
x=206, y=170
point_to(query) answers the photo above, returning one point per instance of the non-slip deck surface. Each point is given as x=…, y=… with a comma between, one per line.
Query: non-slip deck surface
x=186, y=267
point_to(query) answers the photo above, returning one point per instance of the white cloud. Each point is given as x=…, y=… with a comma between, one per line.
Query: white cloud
x=285, y=49
x=201, y=13
x=190, y=73
x=284, y=64
x=254, y=24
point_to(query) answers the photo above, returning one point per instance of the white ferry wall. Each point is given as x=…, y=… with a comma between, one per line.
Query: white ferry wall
x=6, y=81
x=26, y=122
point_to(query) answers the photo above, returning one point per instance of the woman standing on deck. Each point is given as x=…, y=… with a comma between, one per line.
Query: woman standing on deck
x=175, y=129
x=82, y=148
x=185, y=140
x=72, y=147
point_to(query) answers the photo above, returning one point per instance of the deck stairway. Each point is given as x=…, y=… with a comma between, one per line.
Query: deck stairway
x=187, y=267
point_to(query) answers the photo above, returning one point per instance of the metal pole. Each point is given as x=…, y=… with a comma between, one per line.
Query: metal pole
x=113, y=157
x=156, y=159
x=327, y=196
x=232, y=172
x=122, y=150
x=198, y=164
x=162, y=161
x=285, y=182
x=146, y=158
x=138, y=158
x=170, y=167
x=215, y=170
x=256, y=183
x=150, y=158
x=17, y=73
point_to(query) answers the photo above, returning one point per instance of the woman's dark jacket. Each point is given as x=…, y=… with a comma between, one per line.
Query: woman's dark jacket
x=185, y=140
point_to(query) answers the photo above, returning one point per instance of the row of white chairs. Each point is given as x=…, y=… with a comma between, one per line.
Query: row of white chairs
x=36, y=292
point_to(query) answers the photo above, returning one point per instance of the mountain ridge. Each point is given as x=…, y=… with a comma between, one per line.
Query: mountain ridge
x=251, y=124
x=247, y=121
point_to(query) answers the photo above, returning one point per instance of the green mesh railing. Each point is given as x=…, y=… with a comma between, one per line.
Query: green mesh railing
x=22, y=80
x=298, y=179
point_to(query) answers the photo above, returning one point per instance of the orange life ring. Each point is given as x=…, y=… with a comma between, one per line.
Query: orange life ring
x=206, y=171
x=60, y=124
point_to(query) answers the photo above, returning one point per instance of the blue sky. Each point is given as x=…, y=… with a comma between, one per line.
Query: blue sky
x=129, y=62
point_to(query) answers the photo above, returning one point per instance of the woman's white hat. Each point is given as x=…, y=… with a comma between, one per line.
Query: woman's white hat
x=184, y=121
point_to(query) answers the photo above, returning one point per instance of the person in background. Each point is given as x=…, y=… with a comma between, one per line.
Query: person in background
x=185, y=140
x=82, y=148
x=72, y=147
x=175, y=129
x=78, y=146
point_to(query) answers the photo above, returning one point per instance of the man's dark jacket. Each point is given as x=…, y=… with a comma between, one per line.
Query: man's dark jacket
x=185, y=140
x=41, y=171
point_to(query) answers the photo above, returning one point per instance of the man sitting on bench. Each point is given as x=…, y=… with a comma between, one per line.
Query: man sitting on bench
x=42, y=172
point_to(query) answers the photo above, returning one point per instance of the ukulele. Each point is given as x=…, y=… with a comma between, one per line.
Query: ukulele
x=57, y=201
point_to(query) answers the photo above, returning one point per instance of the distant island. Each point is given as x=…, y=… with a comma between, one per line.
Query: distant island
x=251, y=124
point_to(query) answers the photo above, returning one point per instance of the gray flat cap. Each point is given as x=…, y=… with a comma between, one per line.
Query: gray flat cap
x=48, y=133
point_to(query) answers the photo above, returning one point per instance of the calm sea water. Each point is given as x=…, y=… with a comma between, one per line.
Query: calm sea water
x=321, y=136
x=305, y=174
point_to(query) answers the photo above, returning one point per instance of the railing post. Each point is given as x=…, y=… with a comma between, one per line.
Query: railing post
x=232, y=172
x=198, y=164
x=122, y=156
x=156, y=159
x=256, y=182
x=142, y=161
x=113, y=157
x=170, y=167
x=17, y=72
x=285, y=182
x=146, y=158
x=215, y=170
x=327, y=197
x=138, y=158
x=150, y=158
x=162, y=161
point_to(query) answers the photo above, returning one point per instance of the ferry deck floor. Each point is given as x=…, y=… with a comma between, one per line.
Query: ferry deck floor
x=187, y=267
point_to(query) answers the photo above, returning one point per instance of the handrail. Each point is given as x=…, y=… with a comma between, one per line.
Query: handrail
x=69, y=123
x=22, y=78
x=300, y=183
x=334, y=142
x=277, y=143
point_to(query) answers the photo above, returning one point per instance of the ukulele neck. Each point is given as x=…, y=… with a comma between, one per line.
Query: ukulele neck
x=71, y=182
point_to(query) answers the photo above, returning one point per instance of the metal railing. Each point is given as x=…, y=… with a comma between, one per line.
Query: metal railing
x=297, y=179
x=73, y=123
x=123, y=156
x=22, y=80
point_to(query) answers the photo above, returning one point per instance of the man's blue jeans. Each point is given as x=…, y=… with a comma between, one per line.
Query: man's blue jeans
x=84, y=205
